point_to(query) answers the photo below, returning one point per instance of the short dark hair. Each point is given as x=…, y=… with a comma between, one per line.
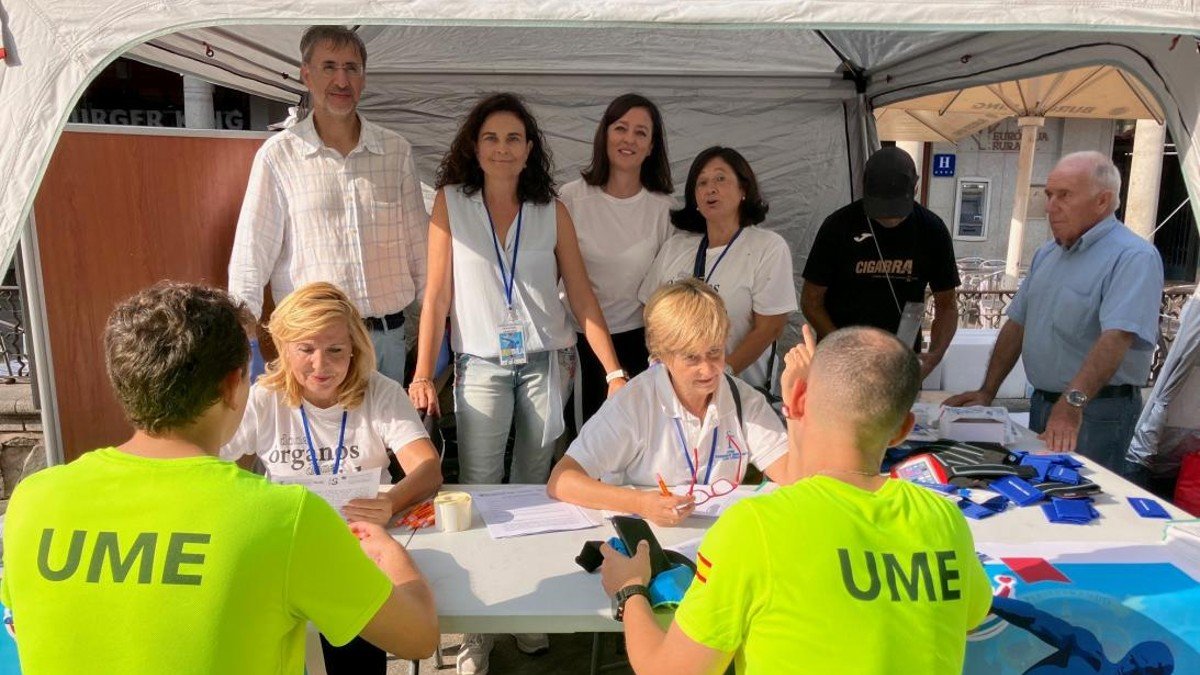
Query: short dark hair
x=340, y=36
x=656, y=169
x=752, y=211
x=460, y=165
x=874, y=376
x=167, y=349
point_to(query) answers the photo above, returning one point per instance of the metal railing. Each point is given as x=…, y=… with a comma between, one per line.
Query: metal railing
x=14, y=359
x=987, y=308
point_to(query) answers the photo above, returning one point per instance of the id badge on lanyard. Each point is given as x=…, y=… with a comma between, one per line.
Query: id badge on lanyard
x=511, y=331
x=512, y=340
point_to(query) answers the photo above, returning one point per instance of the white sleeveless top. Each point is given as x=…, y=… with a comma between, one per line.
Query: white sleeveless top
x=479, y=306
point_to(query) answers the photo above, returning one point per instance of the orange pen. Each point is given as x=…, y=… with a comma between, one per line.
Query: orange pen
x=662, y=486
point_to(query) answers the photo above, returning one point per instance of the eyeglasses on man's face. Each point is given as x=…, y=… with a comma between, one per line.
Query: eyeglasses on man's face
x=352, y=70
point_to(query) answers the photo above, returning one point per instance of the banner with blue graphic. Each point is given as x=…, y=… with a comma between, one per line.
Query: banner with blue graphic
x=1073, y=611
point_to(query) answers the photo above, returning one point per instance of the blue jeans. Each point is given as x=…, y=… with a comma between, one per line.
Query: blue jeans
x=1104, y=436
x=489, y=399
x=391, y=352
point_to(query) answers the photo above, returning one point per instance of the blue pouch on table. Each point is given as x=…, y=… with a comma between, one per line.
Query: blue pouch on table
x=666, y=588
x=1041, y=464
x=1148, y=508
x=981, y=510
x=1070, y=511
x=1063, y=459
x=1016, y=489
x=1063, y=474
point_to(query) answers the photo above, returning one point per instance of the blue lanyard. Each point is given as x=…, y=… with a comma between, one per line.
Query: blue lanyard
x=702, y=255
x=312, y=450
x=712, y=452
x=508, y=279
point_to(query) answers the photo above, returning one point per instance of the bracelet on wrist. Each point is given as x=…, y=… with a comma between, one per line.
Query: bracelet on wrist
x=421, y=380
x=618, y=374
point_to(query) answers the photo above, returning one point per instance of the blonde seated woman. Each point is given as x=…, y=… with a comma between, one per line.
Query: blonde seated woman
x=323, y=409
x=677, y=420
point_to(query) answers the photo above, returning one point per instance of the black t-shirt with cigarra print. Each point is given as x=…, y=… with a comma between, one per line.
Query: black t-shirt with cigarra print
x=855, y=258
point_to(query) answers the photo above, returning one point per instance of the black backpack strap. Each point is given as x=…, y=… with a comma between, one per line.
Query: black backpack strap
x=737, y=402
x=771, y=363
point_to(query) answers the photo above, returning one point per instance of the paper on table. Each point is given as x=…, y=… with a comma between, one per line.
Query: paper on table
x=337, y=489
x=518, y=511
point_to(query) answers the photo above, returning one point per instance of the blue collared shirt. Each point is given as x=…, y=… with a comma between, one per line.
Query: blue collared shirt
x=1110, y=279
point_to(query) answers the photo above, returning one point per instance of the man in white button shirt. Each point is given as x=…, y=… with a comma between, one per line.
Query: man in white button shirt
x=335, y=198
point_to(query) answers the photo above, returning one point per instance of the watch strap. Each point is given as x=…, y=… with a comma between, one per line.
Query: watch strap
x=617, y=374
x=623, y=595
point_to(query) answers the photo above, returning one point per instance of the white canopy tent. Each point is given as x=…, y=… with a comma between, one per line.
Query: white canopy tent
x=790, y=84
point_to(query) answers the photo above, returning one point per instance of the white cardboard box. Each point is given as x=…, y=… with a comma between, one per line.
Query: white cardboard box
x=973, y=430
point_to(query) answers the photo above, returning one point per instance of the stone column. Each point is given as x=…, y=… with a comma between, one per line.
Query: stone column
x=1145, y=173
x=1016, y=228
x=198, y=103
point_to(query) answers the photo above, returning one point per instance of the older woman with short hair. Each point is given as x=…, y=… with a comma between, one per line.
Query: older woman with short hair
x=719, y=242
x=679, y=420
x=322, y=408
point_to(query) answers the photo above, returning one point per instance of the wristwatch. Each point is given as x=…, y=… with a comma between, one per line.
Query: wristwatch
x=618, y=601
x=618, y=374
x=1076, y=398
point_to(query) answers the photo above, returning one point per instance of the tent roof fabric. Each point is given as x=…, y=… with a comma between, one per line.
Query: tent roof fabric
x=900, y=48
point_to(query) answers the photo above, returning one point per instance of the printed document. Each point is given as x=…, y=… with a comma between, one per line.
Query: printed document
x=527, y=509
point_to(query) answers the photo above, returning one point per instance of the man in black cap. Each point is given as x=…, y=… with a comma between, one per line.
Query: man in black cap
x=872, y=260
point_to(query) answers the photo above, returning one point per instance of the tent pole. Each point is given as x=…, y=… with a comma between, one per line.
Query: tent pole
x=39, y=341
x=1016, y=227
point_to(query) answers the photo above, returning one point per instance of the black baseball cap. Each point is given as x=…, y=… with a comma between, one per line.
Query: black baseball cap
x=889, y=184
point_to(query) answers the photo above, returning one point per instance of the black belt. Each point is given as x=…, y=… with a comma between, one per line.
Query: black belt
x=1110, y=391
x=389, y=322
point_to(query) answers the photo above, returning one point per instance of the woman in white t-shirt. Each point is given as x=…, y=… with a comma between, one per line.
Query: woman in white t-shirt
x=680, y=422
x=323, y=409
x=750, y=267
x=621, y=208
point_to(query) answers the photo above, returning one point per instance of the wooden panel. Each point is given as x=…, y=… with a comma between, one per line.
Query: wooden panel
x=116, y=213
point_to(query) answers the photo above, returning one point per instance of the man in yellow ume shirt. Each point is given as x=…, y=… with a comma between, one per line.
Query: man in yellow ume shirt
x=844, y=571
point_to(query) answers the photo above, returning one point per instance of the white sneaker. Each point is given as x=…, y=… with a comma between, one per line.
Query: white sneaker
x=532, y=643
x=473, y=657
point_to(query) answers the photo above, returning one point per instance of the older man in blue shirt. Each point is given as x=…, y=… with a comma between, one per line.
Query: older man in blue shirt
x=1085, y=320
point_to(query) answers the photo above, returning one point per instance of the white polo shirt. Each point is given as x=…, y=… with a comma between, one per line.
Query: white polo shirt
x=635, y=436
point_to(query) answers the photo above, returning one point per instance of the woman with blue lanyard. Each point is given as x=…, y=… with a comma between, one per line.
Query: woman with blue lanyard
x=682, y=423
x=499, y=242
x=720, y=244
x=323, y=410
x=621, y=209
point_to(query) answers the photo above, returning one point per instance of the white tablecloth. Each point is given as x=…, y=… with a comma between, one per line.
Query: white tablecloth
x=532, y=584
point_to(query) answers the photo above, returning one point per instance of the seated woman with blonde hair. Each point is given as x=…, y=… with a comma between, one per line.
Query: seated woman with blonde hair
x=678, y=420
x=323, y=409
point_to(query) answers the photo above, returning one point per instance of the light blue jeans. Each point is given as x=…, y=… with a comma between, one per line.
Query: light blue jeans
x=490, y=399
x=391, y=351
